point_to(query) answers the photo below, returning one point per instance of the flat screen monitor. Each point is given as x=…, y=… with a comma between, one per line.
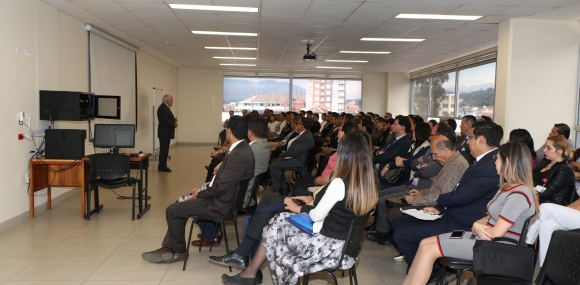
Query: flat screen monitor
x=108, y=107
x=115, y=136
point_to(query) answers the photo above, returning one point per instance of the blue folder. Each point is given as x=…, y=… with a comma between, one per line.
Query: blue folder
x=303, y=222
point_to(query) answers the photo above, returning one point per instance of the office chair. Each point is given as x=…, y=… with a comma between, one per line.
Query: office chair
x=110, y=171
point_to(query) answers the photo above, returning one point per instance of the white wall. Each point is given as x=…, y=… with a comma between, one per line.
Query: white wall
x=58, y=60
x=398, y=95
x=374, y=97
x=537, y=75
x=200, y=105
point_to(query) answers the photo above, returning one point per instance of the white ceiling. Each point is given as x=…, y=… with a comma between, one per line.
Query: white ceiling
x=331, y=25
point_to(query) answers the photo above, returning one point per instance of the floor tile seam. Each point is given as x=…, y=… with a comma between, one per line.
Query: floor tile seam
x=37, y=258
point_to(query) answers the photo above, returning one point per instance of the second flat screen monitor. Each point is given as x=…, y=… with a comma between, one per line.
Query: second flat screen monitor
x=115, y=135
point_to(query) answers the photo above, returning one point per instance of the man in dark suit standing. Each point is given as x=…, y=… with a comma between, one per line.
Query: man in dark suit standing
x=294, y=156
x=466, y=203
x=165, y=130
x=216, y=200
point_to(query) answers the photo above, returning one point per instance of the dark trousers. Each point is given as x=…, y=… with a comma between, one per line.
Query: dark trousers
x=163, y=153
x=300, y=188
x=409, y=232
x=177, y=215
x=260, y=219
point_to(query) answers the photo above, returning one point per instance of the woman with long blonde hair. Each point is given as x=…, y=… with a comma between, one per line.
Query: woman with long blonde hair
x=291, y=252
x=513, y=204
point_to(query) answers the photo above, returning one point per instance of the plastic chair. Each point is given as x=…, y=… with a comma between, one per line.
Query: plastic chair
x=464, y=265
x=257, y=179
x=237, y=205
x=351, y=248
x=297, y=172
x=110, y=171
x=562, y=259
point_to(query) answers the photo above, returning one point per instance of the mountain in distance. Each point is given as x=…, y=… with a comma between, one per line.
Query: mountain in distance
x=239, y=89
x=477, y=87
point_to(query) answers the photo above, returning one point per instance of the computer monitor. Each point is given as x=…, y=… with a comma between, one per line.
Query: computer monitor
x=115, y=136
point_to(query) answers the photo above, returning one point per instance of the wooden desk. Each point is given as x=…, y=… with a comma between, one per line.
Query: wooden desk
x=47, y=173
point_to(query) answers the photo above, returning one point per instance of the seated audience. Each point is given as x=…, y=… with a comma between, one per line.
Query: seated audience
x=452, y=123
x=506, y=214
x=322, y=123
x=552, y=218
x=432, y=123
x=273, y=125
x=315, y=123
x=553, y=177
x=216, y=200
x=419, y=146
x=398, y=146
x=301, y=186
x=523, y=136
x=558, y=129
x=465, y=203
x=257, y=134
x=350, y=193
x=293, y=157
x=461, y=145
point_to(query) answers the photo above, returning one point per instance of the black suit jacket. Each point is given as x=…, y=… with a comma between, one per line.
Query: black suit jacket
x=327, y=128
x=166, y=126
x=237, y=165
x=299, y=147
x=463, y=148
x=315, y=126
x=468, y=202
x=399, y=147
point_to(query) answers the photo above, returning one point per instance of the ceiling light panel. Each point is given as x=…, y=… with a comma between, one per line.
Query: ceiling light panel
x=231, y=57
x=236, y=64
x=340, y=60
x=214, y=8
x=234, y=48
x=391, y=40
x=362, y=51
x=224, y=33
x=334, y=67
x=437, y=17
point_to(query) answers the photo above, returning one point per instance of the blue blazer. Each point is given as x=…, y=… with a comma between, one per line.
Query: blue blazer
x=468, y=202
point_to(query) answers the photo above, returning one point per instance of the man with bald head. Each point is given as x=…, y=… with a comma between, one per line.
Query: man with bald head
x=165, y=130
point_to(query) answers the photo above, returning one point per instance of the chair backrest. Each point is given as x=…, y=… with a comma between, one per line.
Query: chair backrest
x=241, y=190
x=109, y=166
x=522, y=240
x=257, y=180
x=354, y=237
x=563, y=258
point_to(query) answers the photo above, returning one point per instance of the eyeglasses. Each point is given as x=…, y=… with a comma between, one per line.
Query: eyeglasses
x=471, y=137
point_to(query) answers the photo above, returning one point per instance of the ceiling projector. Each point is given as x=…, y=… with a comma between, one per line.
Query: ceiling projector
x=309, y=56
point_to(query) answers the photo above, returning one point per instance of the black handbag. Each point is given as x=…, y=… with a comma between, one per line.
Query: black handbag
x=499, y=259
x=394, y=176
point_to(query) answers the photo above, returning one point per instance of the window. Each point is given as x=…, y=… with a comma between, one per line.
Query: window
x=255, y=94
x=347, y=99
x=477, y=91
x=434, y=94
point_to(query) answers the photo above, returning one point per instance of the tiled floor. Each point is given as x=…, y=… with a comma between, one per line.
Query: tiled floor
x=59, y=247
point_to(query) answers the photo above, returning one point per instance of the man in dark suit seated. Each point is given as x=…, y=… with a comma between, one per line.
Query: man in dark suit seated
x=216, y=200
x=294, y=157
x=398, y=146
x=461, y=145
x=329, y=126
x=466, y=203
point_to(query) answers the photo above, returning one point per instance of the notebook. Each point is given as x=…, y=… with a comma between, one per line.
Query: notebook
x=303, y=222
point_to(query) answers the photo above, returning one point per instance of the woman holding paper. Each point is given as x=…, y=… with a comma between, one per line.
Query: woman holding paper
x=292, y=252
x=507, y=211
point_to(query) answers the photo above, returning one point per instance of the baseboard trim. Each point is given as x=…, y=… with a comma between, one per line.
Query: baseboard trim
x=38, y=210
x=197, y=143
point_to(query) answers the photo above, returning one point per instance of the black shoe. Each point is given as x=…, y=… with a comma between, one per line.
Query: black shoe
x=166, y=169
x=377, y=236
x=238, y=280
x=259, y=277
x=231, y=259
x=385, y=242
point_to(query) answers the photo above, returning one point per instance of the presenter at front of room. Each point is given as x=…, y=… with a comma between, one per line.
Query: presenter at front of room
x=165, y=130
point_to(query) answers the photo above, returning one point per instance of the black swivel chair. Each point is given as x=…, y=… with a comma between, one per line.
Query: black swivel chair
x=351, y=248
x=463, y=265
x=110, y=171
x=237, y=205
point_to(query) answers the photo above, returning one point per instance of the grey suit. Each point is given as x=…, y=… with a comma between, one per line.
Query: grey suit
x=449, y=176
x=261, y=150
x=216, y=200
x=294, y=157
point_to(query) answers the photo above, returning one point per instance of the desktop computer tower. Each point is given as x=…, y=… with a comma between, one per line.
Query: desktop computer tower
x=64, y=144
